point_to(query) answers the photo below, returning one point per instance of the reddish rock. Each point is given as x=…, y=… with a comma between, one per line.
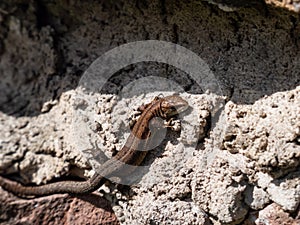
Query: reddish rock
x=274, y=215
x=56, y=209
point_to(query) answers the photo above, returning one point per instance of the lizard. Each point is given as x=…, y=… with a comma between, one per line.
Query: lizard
x=133, y=153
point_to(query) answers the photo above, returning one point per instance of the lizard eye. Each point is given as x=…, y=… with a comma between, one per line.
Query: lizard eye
x=173, y=109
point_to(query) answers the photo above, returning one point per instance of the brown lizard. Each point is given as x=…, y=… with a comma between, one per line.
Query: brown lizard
x=131, y=154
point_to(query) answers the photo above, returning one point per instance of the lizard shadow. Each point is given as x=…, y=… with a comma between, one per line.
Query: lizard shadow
x=99, y=201
x=94, y=199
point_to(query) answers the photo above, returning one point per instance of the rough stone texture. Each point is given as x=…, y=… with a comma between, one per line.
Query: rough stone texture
x=293, y=5
x=234, y=5
x=240, y=165
x=48, y=135
x=286, y=191
x=175, y=212
x=256, y=197
x=267, y=132
x=219, y=191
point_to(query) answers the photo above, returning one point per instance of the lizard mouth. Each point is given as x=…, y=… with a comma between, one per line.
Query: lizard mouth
x=182, y=108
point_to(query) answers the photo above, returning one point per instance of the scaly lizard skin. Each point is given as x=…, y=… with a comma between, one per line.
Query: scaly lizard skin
x=130, y=154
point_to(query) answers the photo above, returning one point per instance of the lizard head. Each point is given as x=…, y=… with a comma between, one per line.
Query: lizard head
x=173, y=105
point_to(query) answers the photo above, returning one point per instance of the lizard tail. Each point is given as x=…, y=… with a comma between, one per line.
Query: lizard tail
x=72, y=187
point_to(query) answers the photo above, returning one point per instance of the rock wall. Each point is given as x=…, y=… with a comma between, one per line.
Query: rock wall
x=244, y=168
